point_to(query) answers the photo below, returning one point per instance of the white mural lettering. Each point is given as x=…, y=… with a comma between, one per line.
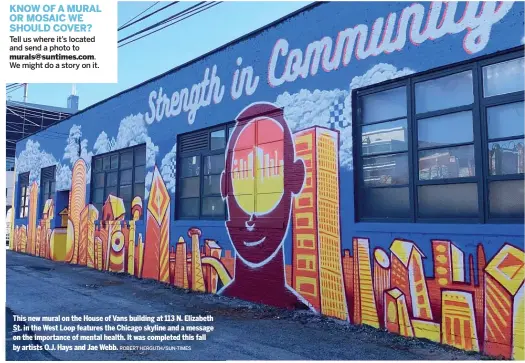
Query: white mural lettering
x=186, y=100
x=243, y=79
x=358, y=41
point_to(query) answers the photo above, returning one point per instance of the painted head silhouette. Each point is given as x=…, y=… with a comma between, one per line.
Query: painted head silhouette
x=259, y=179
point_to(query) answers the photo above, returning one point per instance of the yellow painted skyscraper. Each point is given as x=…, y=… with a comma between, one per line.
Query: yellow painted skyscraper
x=458, y=321
x=77, y=202
x=397, y=319
x=333, y=301
x=365, y=311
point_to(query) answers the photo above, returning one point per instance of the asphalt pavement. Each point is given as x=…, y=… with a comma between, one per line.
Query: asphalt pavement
x=242, y=330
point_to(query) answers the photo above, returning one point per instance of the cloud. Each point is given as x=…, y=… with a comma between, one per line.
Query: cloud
x=103, y=144
x=132, y=131
x=71, y=149
x=33, y=159
x=379, y=73
x=523, y=40
x=319, y=108
x=306, y=109
x=63, y=177
x=333, y=108
x=147, y=184
x=168, y=169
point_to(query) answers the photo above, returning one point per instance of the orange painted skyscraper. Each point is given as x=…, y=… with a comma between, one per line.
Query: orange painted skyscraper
x=136, y=213
x=479, y=302
x=172, y=265
x=317, y=264
x=381, y=280
x=83, y=236
x=305, y=250
x=197, y=279
x=99, y=264
x=397, y=319
x=31, y=224
x=504, y=303
x=211, y=249
x=228, y=261
x=38, y=236
x=139, y=256
x=156, y=249
x=22, y=238
x=408, y=275
x=365, y=310
x=448, y=262
x=181, y=272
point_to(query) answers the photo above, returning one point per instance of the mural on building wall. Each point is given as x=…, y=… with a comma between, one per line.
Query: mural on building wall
x=284, y=189
x=277, y=183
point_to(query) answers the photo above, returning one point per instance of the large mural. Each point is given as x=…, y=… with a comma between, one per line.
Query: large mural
x=289, y=239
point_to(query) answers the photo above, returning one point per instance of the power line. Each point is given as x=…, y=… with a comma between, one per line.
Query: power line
x=14, y=89
x=206, y=7
x=37, y=111
x=12, y=85
x=37, y=115
x=180, y=13
x=147, y=16
x=136, y=16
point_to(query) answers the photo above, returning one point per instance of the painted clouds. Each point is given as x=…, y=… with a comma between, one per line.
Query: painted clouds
x=333, y=109
x=71, y=153
x=132, y=131
x=32, y=159
x=168, y=169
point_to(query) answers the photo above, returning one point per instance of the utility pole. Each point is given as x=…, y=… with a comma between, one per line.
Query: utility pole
x=25, y=92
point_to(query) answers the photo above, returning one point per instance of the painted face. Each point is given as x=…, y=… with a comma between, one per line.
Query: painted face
x=260, y=176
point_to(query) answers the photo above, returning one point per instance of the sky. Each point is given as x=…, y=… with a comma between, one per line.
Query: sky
x=166, y=49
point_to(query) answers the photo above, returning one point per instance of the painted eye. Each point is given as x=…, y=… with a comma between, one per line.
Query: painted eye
x=117, y=241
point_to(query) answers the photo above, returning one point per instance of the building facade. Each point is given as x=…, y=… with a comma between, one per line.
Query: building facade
x=364, y=161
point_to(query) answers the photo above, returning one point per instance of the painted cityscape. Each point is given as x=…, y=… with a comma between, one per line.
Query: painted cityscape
x=383, y=288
